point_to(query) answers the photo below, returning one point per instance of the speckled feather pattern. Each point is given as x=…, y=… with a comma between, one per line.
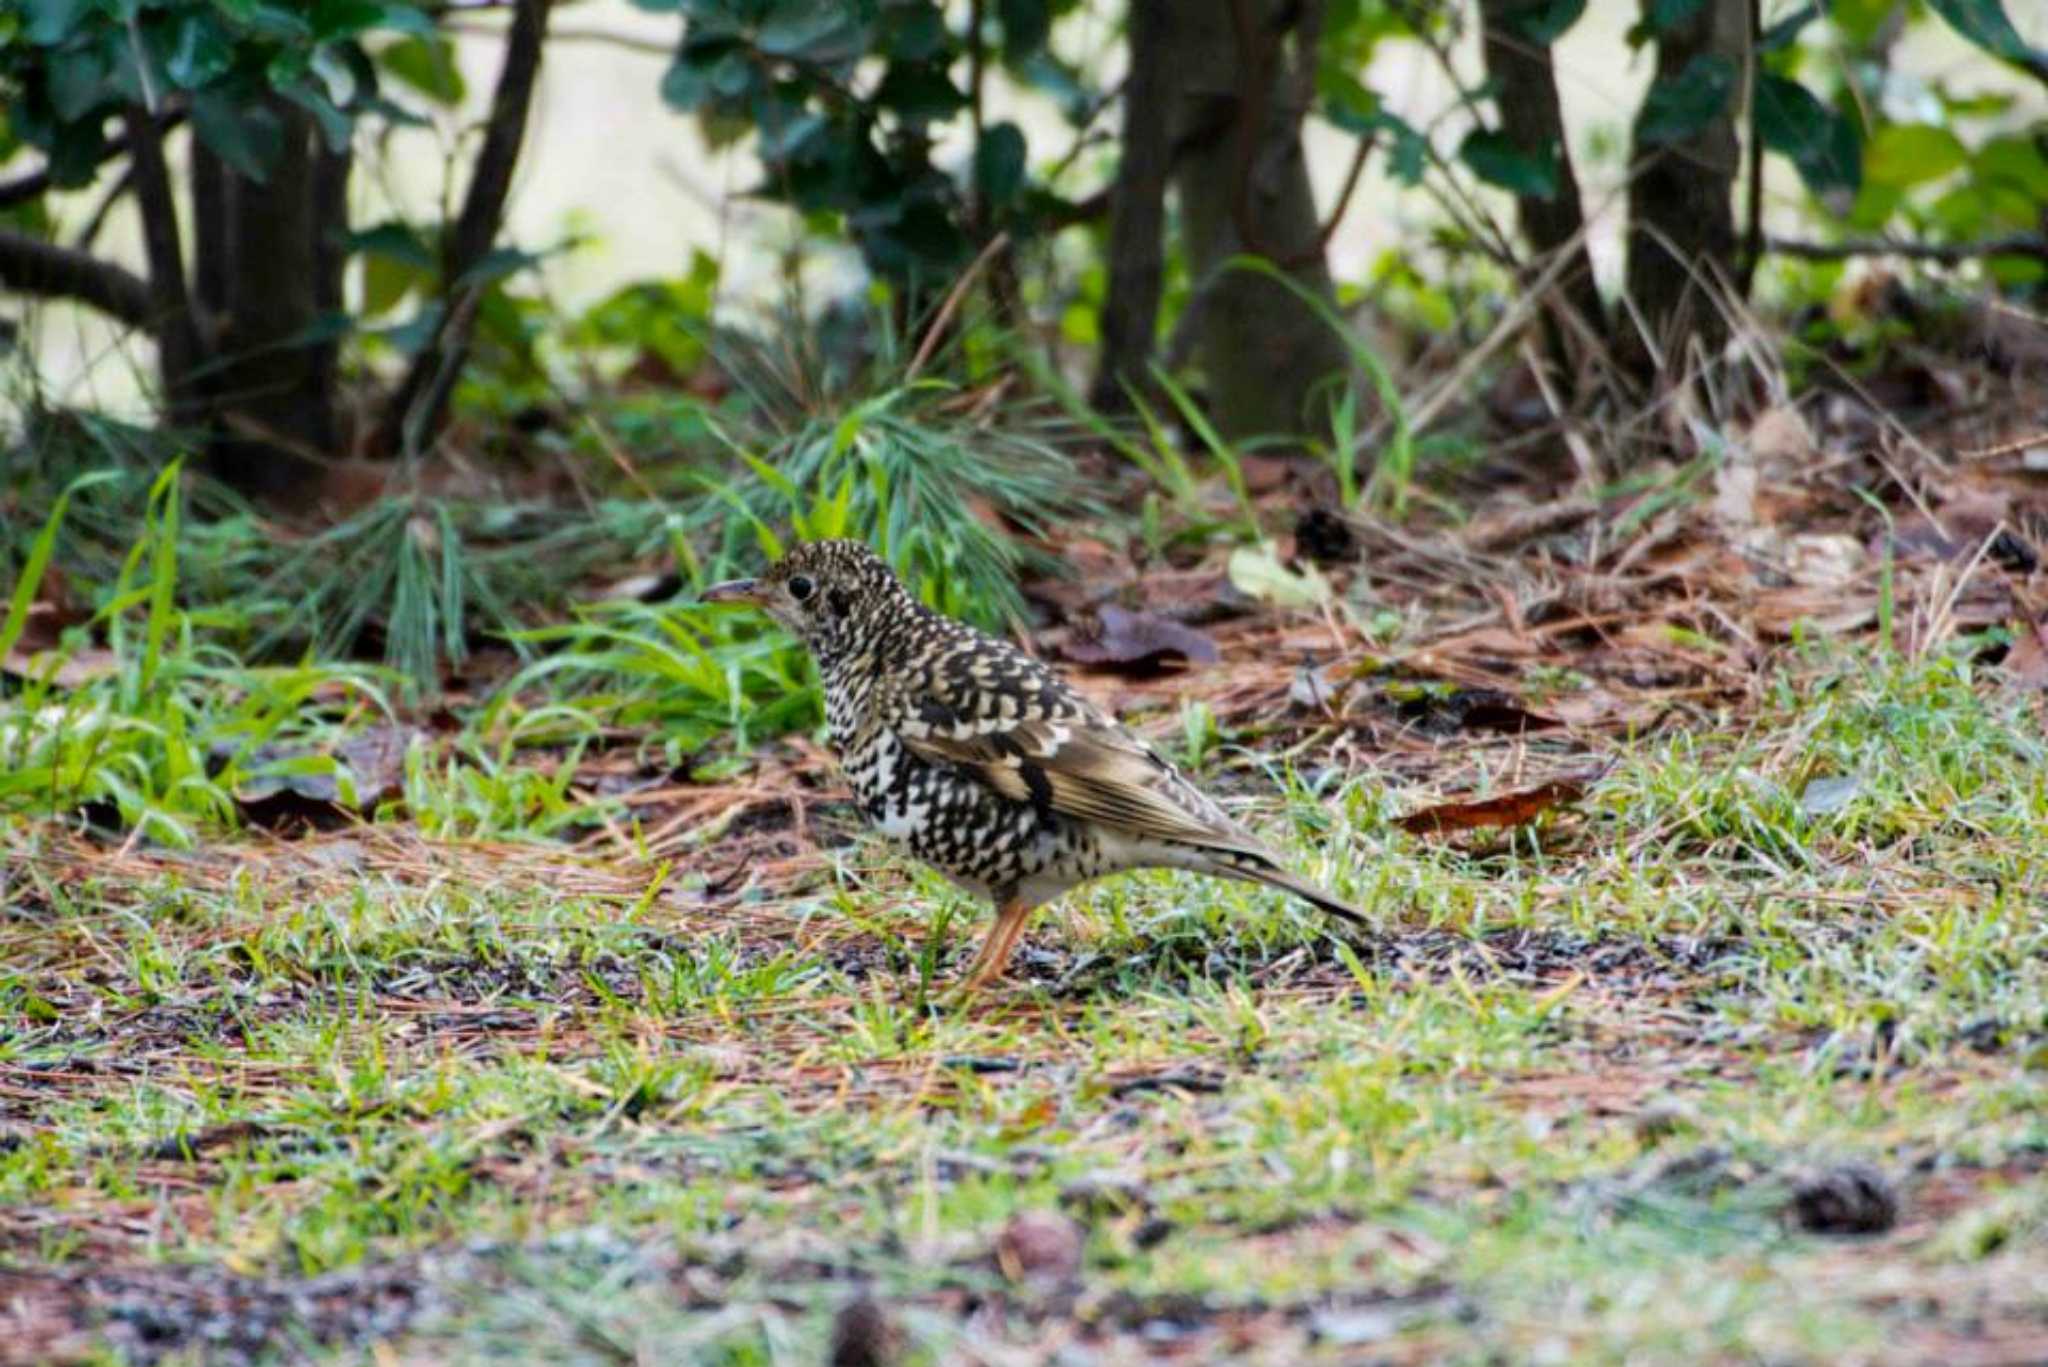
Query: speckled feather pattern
x=982, y=761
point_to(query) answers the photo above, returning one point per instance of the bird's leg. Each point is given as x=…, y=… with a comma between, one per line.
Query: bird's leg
x=1011, y=917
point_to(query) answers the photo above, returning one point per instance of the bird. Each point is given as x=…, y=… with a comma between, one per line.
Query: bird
x=981, y=760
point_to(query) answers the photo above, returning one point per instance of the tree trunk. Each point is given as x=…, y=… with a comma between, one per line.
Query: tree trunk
x=1525, y=88
x=1137, y=223
x=261, y=253
x=1681, y=249
x=1244, y=189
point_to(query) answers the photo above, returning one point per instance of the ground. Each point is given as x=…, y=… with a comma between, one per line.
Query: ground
x=1702, y=1017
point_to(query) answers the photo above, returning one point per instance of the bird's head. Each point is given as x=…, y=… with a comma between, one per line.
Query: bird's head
x=827, y=592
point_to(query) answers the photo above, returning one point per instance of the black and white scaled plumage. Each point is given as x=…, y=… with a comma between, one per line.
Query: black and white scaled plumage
x=983, y=762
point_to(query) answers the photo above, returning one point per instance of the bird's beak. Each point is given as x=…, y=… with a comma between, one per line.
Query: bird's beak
x=732, y=591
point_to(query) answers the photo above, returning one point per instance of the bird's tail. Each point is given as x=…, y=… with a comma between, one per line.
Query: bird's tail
x=1255, y=870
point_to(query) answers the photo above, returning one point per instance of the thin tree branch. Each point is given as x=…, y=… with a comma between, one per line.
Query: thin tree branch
x=1753, y=211
x=1944, y=253
x=37, y=183
x=414, y=412
x=89, y=234
x=179, y=352
x=29, y=265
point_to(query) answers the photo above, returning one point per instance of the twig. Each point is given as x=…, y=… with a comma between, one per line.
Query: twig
x=1947, y=253
x=952, y=305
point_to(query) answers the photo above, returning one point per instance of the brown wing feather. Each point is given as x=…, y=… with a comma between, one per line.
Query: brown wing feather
x=1094, y=771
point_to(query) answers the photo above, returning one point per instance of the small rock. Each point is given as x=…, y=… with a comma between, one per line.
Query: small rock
x=1854, y=1198
x=863, y=1335
x=1039, y=1246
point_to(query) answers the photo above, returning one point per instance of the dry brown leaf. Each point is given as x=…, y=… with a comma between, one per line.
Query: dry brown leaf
x=1506, y=809
x=2026, y=664
x=1138, y=643
x=72, y=669
x=374, y=759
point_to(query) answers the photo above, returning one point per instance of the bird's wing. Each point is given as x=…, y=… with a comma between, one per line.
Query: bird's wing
x=1015, y=726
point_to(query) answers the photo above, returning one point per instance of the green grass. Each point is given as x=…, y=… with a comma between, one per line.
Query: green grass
x=1554, y=1108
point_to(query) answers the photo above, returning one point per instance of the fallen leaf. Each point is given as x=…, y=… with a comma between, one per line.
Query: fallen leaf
x=2026, y=664
x=64, y=669
x=304, y=786
x=1506, y=809
x=1138, y=642
x=1257, y=572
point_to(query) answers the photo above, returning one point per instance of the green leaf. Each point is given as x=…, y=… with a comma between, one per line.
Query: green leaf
x=999, y=163
x=785, y=126
x=686, y=84
x=498, y=263
x=1346, y=103
x=1984, y=22
x=1785, y=32
x=1061, y=82
x=824, y=31
x=386, y=283
x=334, y=19
x=428, y=66
x=78, y=82
x=1408, y=153
x=1680, y=106
x=273, y=22
x=406, y=19
x=1495, y=159
x=394, y=241
x=913, y=33
x=50, y=22
x=201, y=51
x=1859, y=20
x=2012, y=164
x=244, y=135
x=1026, y=26
x=335, y=126
x=1257, y=572
x=1662, y=17
x=1902, y=155
x=733, y=75
x=919, y=92
x=1825, y=145
x=1543, y=22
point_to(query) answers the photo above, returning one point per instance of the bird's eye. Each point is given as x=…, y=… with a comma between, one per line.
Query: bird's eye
x=799, y=588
